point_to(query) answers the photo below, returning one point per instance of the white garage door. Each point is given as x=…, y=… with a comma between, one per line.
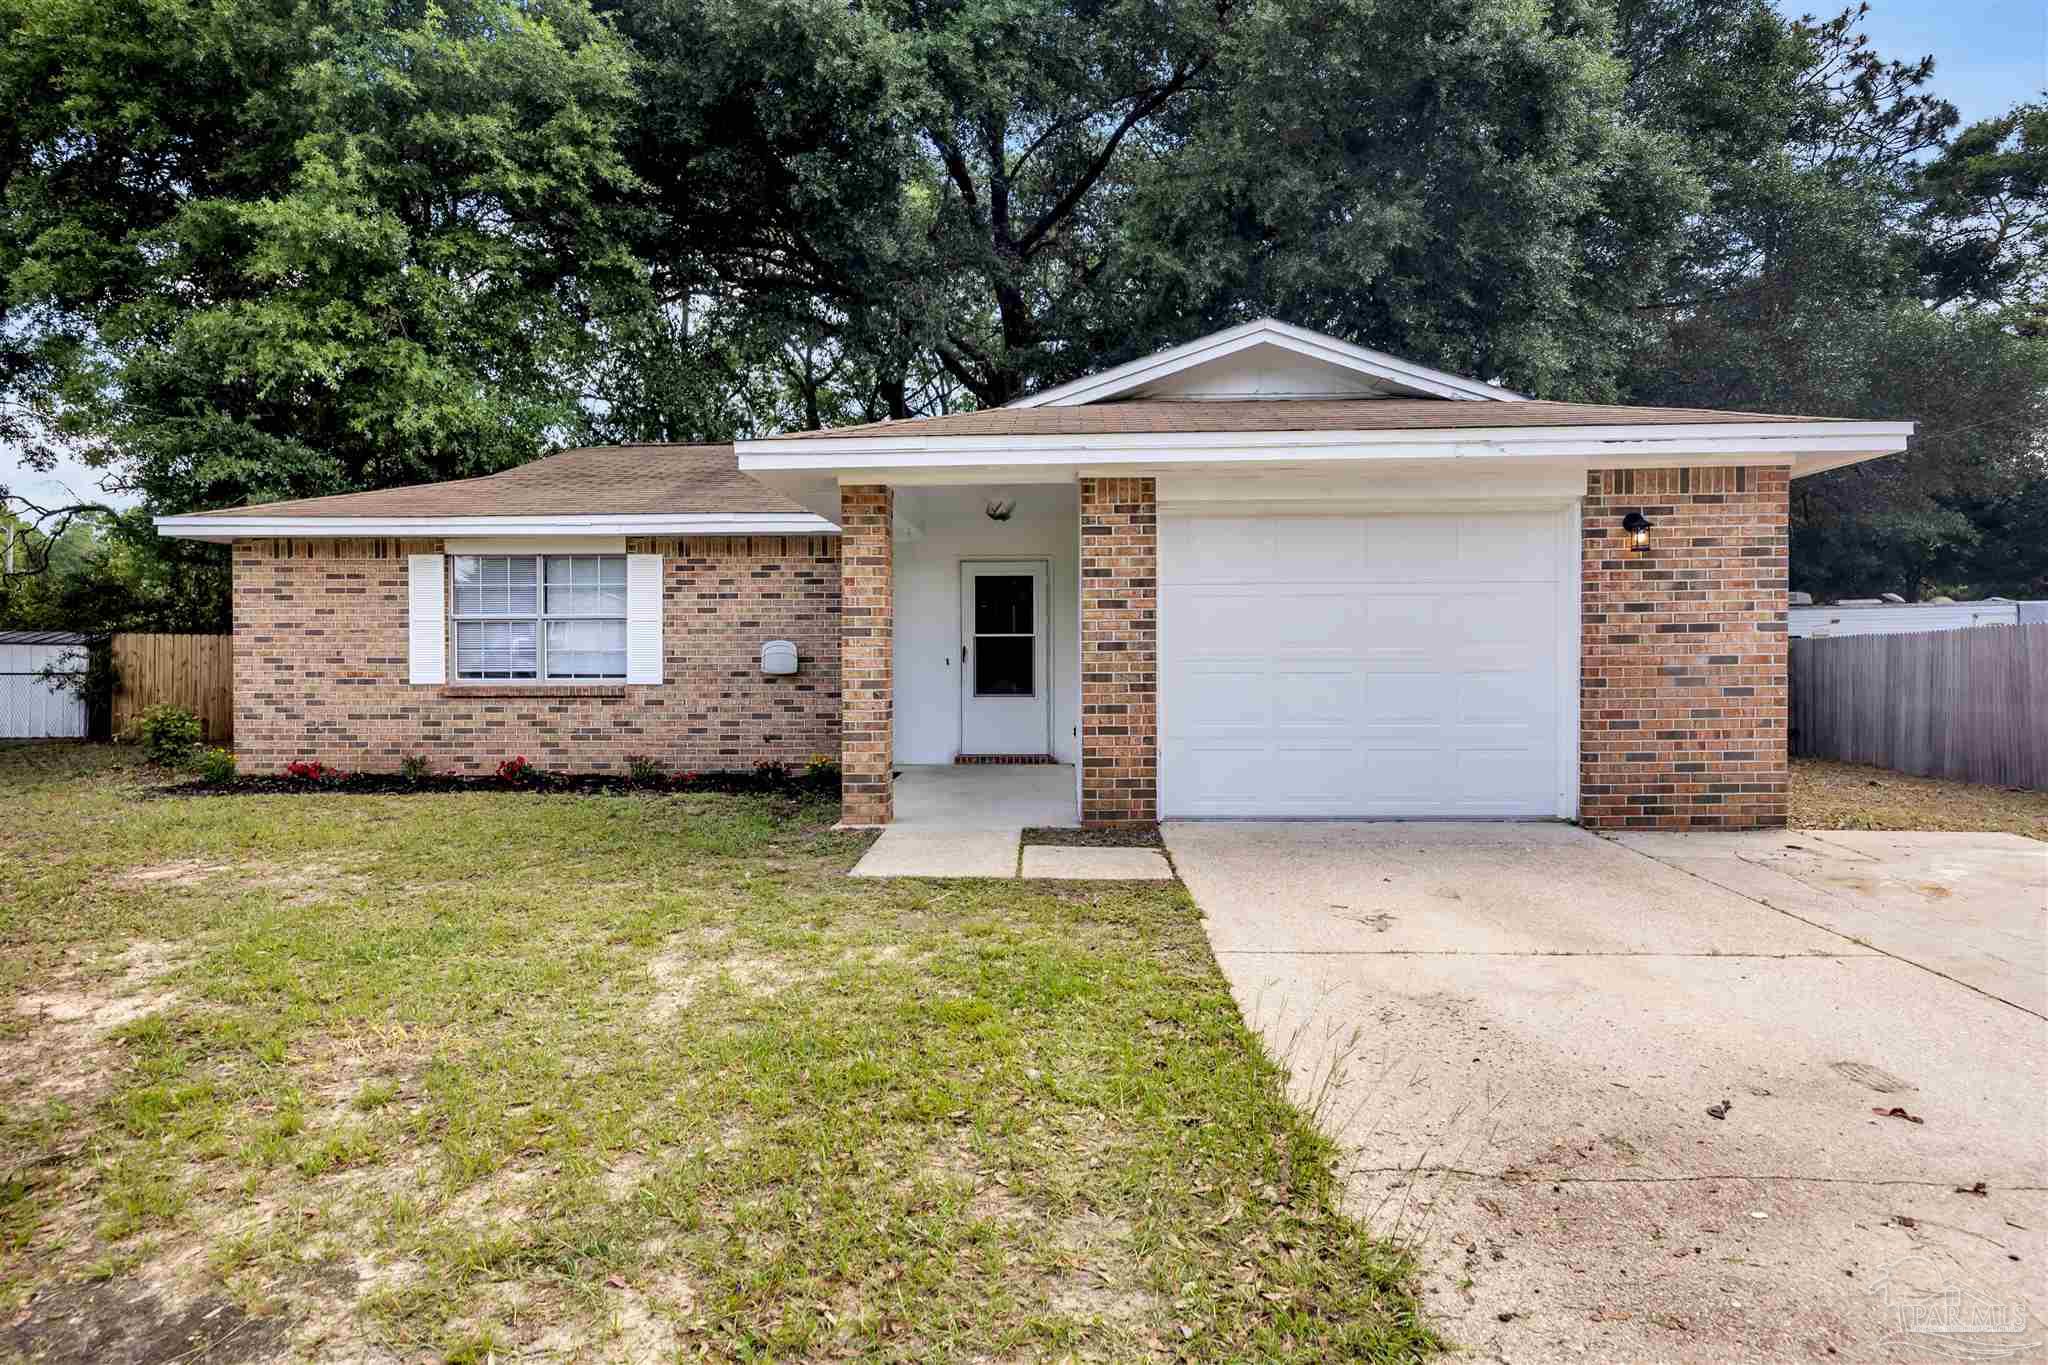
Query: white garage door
x=1407, y=664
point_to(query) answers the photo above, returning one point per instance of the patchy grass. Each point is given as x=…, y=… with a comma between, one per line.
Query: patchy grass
x=1830, y=795
x=625, y=1077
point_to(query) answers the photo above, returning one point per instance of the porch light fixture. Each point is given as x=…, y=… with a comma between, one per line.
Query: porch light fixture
x=1638, y=527
x=1000, y=509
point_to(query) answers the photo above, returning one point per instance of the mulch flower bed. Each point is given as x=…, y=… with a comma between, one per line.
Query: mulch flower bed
x=1128, y=836
x=534, y=781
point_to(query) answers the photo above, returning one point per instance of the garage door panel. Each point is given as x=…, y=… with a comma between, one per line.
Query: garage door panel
x=1213, y=699
x=1216, y=778
x=1399, y=780
x=1323, y=699
x=1502, y=781
x=1502, y=615
x=1318, y=620
x=1401, y=548
x=1402, y=699
x=1506, y=547
x=1378, y=666
x=1232, y=621
x=1311, y=548
x=1228, y=550
x=1314, y=779
x=1399, y=625
x=1523, y=701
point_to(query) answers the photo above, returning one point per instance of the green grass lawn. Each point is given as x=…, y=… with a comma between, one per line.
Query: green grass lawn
x=455, y=1077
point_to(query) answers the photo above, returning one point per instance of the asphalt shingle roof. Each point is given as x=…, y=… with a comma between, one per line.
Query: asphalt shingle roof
x=589, y=481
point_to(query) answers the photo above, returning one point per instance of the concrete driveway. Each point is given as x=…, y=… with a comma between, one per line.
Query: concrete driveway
x=1518, y=1032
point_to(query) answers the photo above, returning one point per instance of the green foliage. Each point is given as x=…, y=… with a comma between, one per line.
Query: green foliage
x=217, y=765
x=1859, y=258
x=169, y=734
x=645, y=770
x=415, y=768
x=257, y=249
x=265, y=248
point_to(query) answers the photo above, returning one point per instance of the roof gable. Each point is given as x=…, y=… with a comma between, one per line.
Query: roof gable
x=1266, y=359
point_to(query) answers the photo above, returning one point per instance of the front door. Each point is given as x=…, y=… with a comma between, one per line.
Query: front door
x=1006, y=693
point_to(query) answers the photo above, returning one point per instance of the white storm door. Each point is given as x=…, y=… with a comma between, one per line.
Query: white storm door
x=1005, y=682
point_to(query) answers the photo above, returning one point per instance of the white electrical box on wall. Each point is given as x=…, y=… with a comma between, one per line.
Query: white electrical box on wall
x=778, y=657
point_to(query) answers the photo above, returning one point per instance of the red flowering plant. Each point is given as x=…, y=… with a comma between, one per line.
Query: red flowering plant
x=517, y=769
x=312, y=770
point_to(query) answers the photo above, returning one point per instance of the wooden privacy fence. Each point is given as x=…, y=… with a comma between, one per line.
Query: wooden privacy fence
x=196, y=672
x=1969, y=704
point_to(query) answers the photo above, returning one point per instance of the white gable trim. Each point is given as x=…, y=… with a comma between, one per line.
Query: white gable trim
x=1415, y=380
x=1808, y=447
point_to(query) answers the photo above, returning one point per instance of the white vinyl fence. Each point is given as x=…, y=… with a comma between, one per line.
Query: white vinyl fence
x=29, y=707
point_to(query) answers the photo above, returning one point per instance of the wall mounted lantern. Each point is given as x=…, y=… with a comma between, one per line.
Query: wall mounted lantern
x=1638, y=527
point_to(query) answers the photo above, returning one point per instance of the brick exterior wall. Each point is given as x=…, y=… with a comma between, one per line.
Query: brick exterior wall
x=321, y=665
x=867, y=644
x=1683, y=695
x=1119, y=651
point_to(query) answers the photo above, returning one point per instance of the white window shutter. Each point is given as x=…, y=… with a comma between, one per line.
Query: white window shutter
x=643, y=618
x=427, y=611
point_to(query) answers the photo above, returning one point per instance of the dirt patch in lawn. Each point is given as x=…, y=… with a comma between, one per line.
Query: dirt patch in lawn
x=1831, y=795
x=681, y=975
x=62, y=1052
x=311, y=883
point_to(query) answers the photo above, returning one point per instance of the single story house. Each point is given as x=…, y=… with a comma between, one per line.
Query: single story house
x=1263, y=574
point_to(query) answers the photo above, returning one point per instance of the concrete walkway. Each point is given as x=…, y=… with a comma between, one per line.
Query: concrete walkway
x=1619, y=1093
x=968, y=820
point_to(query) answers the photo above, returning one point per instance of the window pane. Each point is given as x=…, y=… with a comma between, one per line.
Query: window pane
x=1002, y=666
x=496, y=585
x=1002, y=604
x=586, y=585
x=495, y=649
x=586, y=649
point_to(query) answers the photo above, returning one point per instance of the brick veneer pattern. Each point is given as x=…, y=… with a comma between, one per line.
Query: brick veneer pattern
x=321, y=670
x=1683, y=694
x=866, y=650
x=1119, y=651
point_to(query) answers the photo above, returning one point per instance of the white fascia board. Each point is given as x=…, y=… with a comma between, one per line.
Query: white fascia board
x=1263, y=332
x=1763, y=442
x=225, y=526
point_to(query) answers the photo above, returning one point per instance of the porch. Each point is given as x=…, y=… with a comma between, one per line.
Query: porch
x=998, y=622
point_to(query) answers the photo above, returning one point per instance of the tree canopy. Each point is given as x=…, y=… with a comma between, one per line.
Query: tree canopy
x=263, y=248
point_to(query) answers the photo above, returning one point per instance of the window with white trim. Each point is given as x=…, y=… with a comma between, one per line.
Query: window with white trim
x=554, y=618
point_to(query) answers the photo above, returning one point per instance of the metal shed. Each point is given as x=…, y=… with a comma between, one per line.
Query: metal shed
x=1906, y=618
x=30, y=708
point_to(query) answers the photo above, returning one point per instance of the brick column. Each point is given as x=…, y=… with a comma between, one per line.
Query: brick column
x=1683, y=695
x=1119, y=652
x=867, y=636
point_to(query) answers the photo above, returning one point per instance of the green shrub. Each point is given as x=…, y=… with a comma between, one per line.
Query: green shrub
x=217, y=765
x=646, y=771
x=821, y=767
x=169, y=735
x=415, y=768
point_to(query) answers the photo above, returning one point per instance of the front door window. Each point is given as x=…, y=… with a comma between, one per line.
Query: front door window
x=1005, y=644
